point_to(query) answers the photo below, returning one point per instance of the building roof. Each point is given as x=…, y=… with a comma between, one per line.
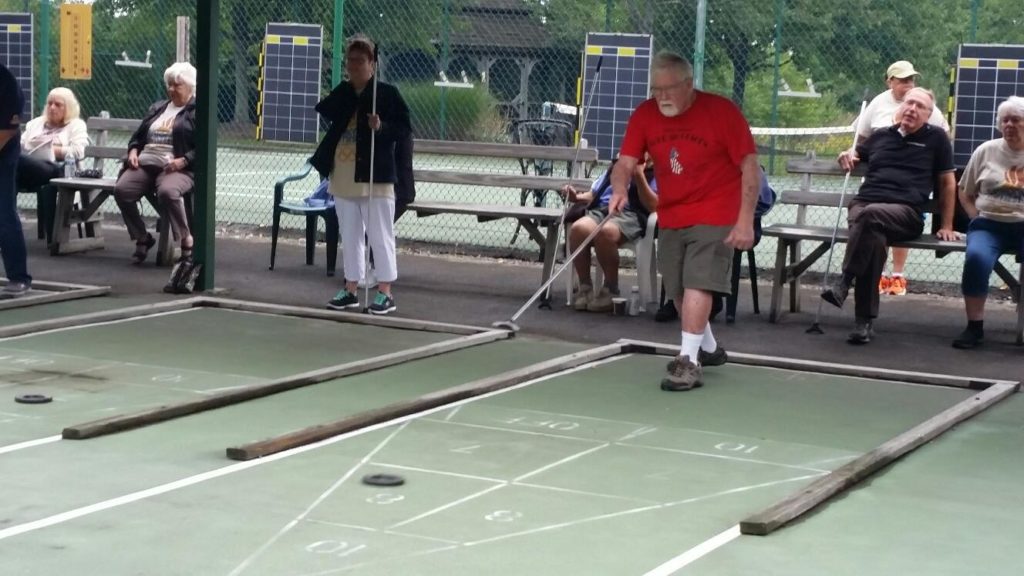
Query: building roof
x=498, y=26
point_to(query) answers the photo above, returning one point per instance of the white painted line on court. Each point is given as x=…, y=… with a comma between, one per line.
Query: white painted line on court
x=316, y=502
x=585, y=493
x=95, y=324
x=513, y=430
x=563, y=461
x=374, y=562
x=693, y=554
x=572, y=523
x=381, y=531
x=439, y=472
x=239, y=466
x=723, y=457
x=452, y=414
x=29, y=444
x=451, y=504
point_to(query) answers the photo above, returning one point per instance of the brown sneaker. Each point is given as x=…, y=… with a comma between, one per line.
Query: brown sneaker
x=685, y=376
x=716, y=358
x=582, y=297
x=883, y=284
x=602, y=302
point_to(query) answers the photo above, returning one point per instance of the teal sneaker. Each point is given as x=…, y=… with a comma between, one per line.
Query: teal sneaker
x=342, y=300
x=382, y=304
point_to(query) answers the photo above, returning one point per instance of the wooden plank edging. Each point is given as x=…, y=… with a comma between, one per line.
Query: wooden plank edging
x=123, y=422
x=850, y=474
x=335, y=316
x=851, y=370
x=426, y=402
x=98, y=317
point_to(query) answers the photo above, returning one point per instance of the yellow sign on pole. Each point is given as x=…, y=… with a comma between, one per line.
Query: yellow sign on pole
x=76, y=41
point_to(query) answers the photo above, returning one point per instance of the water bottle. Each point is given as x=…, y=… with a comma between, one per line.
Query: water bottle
x=634, y=301
x=69, y=164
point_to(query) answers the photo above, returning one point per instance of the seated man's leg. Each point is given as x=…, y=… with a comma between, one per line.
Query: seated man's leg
x=873, y=225
x=695, y=264
x=619, y=229
x=577, y=234
x=985, y=241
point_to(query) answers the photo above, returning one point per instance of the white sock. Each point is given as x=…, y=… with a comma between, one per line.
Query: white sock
x=897, y=275
x=708, y=344
x=690, y=345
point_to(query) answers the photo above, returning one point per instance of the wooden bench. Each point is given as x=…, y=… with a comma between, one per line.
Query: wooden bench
x=93, y=192
x=540, y=222
x=790, y=264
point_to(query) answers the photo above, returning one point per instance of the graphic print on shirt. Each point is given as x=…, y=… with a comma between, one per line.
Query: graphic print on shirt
x=673, y=161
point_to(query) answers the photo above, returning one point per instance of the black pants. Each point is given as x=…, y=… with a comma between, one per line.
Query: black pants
x=873, y=226
x=34, y=173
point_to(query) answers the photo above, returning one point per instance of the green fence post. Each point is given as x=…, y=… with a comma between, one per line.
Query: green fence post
x=339, y=42
x=608, y=16
x=208, y=48
x=698, y=44
x=974, y=20
x=779, y=9
x=442, y=117
x=45, y=50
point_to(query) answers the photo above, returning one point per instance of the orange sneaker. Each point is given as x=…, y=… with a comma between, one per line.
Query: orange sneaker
x=883, y=284
x=898, y=286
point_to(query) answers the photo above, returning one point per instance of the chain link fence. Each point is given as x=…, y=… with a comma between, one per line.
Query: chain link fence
x=787, y=63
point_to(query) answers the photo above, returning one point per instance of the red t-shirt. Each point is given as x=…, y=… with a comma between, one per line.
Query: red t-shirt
x=697, y=157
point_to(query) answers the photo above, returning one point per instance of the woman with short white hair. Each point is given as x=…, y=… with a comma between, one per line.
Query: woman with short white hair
x=161, y=154
x=992, y=194
x=48, y=139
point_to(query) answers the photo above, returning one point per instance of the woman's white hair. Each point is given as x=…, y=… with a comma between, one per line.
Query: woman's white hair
x=1012, y=106
x=72, y=109
x=181, y=72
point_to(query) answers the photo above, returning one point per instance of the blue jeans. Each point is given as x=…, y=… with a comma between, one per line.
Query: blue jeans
x=12, y=239
x=986, y=240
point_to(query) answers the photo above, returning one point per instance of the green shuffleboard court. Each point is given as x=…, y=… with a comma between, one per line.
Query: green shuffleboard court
x=584, y=469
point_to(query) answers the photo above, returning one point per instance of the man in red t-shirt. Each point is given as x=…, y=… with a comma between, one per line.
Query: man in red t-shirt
x=705, y=162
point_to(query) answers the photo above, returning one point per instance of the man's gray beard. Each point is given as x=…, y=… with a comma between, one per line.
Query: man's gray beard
x=668, y=110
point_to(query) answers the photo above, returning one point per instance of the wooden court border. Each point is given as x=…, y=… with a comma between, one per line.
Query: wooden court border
x=992, y=391
x=143, y=310
x=423, y=403
x=468, y=336
x=55, y=292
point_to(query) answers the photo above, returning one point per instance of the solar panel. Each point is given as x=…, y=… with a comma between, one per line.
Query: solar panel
x=986, y=74
x=290, y=69
x=16, y=51
x=622, y=84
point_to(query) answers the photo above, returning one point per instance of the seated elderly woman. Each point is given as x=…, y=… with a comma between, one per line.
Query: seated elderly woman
x=48, y=139
x=160, y=157
x=992, y=194
x=624, y=227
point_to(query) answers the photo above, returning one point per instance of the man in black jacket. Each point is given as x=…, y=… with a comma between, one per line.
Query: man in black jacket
x=905, y=162
x=367, y=118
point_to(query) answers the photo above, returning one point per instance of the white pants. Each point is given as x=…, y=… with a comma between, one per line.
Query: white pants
x=362, y=218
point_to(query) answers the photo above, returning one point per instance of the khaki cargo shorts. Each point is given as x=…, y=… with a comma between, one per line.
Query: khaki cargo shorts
x=695, y=257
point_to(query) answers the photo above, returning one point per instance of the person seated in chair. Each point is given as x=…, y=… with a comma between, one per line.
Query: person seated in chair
x=57, y=134
x=992, y=194
x=624, y=227
x=160, y=160
x=905, y=161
